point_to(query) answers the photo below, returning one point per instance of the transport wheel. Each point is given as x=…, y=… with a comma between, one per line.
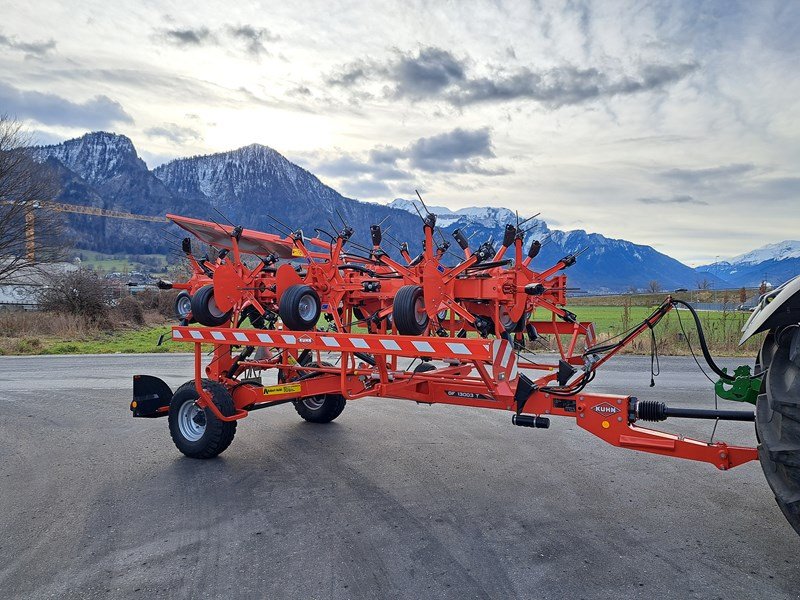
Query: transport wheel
x=299, y=307
x=778, y=419
x=196, y=432
x=183, y=306
x=205, y=310
x=320, y=409
x=408, y=311
x=424, y=368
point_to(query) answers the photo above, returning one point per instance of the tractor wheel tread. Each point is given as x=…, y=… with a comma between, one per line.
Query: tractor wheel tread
x=778, y=427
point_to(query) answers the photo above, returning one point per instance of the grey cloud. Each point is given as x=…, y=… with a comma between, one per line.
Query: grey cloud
x=454, y=151
x=700, y=176
x=253, y=37
x=427, y=73
x=49, y=109
x=565, y=85
x=433, y=73
x=30, y=49
x=350, y=74
x=685, y=199
x=385, y=154
x=366, y=188
x=174, y=133
x=188, y=37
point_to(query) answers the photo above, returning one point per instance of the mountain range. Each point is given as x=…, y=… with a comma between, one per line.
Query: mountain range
x=259, y=188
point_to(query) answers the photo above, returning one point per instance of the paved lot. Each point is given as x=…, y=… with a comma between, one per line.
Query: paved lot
x=393, y=500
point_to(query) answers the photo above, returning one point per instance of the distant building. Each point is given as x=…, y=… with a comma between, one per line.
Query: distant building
x=21, y=290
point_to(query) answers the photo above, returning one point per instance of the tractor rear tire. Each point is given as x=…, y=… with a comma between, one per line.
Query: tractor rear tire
x=198, y=433
x=300, y=307
x=778, y=419
x=408, y=311
x=205, y=310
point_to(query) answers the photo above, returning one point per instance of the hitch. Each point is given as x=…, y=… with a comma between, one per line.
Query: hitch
x=745, y=388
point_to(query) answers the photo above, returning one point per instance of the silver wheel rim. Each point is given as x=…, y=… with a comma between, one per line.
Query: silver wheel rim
x=214, y=309
x=184, y=306
x=419, y=311
x=189, y=428
x=314, y=403
x=307, y=307
x=505, y=320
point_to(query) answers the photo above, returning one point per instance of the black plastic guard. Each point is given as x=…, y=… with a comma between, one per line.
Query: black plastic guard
x=151, y=396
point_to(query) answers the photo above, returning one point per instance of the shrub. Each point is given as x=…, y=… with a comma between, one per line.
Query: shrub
x=129, y=309
x=80, y=293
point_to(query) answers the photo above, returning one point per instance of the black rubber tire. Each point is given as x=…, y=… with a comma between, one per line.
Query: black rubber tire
x=183, y=299
x=424, y=368
x=778, y=424
x=218, y=435
x=331, y=405
x=404, y=311
x=289, y=308
x=204, y=309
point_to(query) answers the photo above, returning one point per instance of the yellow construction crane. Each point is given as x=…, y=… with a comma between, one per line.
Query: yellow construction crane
x=30, y=239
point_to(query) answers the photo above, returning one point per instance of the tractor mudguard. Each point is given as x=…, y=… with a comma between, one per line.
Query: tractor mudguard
x=151, y=397
x=777, y=308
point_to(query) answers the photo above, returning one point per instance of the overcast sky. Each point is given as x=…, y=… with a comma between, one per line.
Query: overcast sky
x=673, y=124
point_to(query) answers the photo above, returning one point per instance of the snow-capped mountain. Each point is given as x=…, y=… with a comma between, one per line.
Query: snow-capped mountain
x=606, y=264
x=774, y=263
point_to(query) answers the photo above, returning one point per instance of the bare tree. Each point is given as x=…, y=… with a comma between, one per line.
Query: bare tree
x=28, y=235
x=704, y=284
x=653, y=286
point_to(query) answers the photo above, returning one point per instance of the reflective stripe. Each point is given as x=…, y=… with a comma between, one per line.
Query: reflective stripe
x=242, y=337
x=422, y=346
x=289, y=339
x=359, y=343
x=177, y=335
x=196, y=334
x=264, y=337
x=218, y=335
x=390, y=344
x=458, y=348
x=329, y=341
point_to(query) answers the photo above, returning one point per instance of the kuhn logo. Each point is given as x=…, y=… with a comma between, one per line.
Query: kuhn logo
x=605, y=409
x=305, y=339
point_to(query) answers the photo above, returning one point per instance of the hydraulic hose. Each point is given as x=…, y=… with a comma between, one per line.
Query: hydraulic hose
x=703, y=345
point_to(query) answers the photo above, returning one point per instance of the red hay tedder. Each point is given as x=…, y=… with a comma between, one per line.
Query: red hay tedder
x=338, y=325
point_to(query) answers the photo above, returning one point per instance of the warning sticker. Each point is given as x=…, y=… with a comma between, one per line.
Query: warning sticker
x=297, y=252
x=282, y=388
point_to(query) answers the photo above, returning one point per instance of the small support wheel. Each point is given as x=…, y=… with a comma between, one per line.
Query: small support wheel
x=299, y=307
x=183, y=307
x=323, y=408
x=197, y=432
x=408, y=311
x=205, y=310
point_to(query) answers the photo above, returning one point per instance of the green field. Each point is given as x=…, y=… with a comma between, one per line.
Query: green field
x=120, y=263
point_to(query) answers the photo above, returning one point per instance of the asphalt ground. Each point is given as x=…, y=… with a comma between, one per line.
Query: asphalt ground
x=392, y=500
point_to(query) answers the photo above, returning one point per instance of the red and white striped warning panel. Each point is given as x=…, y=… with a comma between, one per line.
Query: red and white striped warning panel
x=504, y=359
x=465, y=349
